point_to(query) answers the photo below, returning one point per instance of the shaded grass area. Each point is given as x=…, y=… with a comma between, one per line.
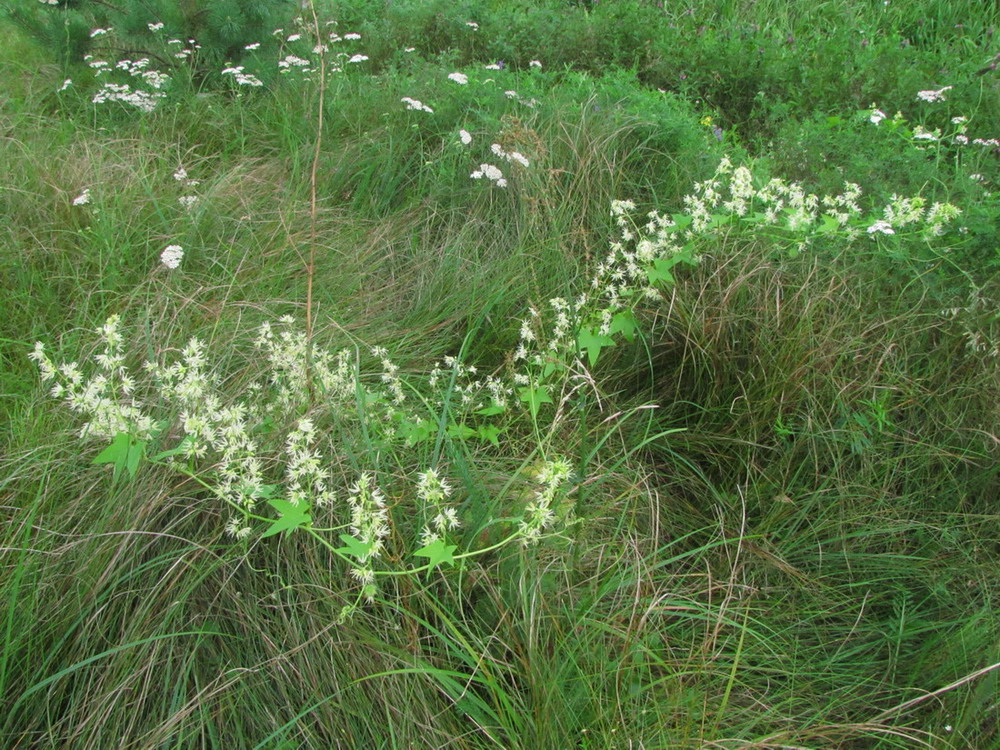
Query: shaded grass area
x=793, y=542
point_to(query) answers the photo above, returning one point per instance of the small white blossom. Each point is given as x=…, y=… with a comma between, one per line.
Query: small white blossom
x=459, y=78
x=535, y=64
x=465, y=137
x=83, y=198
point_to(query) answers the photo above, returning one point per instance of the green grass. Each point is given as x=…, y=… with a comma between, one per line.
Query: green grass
x=780, y=526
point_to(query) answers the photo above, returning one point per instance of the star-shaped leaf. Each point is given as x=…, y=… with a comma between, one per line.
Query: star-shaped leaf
x=660, y=272
x=292, y=517
x=437, y=552
x=535, y=397
x=124, y=454
x=354, y=547
x=489, y=432
x=624, y=323
x=592, y=343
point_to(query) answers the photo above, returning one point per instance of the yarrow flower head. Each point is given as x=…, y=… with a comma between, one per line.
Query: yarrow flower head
x=932, y=95
x=416, y=104
x=465, y=137
x=490, y=173
x=241, y=78
x=459, y=78
x=83, y=198
x=172, y=256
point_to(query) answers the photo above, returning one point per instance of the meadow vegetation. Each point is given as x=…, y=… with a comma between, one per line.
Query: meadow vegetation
x=500, y=374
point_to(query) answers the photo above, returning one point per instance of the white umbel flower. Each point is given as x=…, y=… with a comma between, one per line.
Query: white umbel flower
x=172, y=256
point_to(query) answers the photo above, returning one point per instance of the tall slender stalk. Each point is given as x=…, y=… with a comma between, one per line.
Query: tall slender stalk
x=313, y=171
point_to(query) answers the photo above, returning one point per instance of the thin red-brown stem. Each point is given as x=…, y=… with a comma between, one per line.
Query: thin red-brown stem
x=311, y=263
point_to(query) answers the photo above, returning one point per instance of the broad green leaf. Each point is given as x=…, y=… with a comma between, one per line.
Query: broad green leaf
x=490, y=433
x=491, y=411
x=829, y=225
x=437, y=552
x=660, y=272
x=719, y=220
x=124, y=454
x=265, y=491
x=534, y=398
x=682, y=221
x=592, y=343
x=416, y=432
x=624, y=323
x=460, y=431
x=292, y=517
x=354, y=547
x=182, y=446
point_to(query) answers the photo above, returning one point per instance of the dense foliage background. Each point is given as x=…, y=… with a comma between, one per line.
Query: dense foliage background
x=779, y=522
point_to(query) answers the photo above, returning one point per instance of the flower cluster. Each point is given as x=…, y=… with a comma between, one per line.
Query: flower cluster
x=902, y=212
x=390, y=374
x=514, y=156
x=241, y=77
x=292, y=364
x=187, y=201
x=542, y=511
x=153, y=82
x=306, y=482
x=933, y=96
x=416, y=104
x=491, y=173
x=106, y=399
x=433, y=492
x=370, y=525
x=472, y=391
x=172, y=256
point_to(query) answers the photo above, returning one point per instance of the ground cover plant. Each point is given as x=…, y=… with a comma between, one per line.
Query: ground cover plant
x=500, y=374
